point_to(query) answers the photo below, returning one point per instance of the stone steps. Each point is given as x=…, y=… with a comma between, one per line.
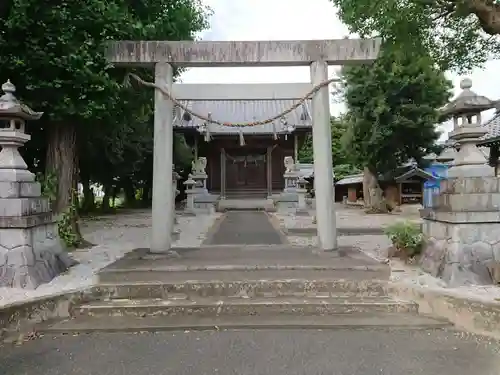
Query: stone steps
x=257, y=286
x=242, y=287
x=235, y=272
x=230, y=306
x=373, y=320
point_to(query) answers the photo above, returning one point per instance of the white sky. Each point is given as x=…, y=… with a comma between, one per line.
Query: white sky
x=288, y=20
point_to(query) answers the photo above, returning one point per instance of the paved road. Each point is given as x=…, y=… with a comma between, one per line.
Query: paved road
x=245, y=228
x=354, y=352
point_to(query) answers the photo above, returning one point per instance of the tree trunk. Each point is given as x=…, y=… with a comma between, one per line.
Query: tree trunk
x=105, y=199
x=60, y=160
x=129, y=193
x=372, y=192
x=114, y=195
x=146, y=193
x=488, y=13
x=88, y=204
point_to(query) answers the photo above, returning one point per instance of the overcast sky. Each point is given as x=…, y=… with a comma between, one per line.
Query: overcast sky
x=293, y=19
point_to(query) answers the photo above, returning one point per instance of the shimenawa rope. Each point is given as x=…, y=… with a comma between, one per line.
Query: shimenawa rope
x=209, y=119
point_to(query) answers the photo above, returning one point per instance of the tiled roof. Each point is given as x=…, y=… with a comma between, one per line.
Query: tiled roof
x=493, y=127
x=350, y=180
x=415, y=172
x=240, y=111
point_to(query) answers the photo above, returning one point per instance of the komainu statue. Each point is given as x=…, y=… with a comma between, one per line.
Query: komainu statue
x=199, y=166
x=289, y=164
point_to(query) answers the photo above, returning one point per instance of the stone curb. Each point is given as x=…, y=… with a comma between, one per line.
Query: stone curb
x=19, y=318
x=474, y=315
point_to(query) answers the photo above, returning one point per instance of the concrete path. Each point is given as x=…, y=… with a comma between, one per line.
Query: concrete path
x=245, y=228
x=294, y=352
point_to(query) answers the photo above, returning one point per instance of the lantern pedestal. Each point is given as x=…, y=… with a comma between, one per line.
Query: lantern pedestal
x=462, y=226
x=30, y=250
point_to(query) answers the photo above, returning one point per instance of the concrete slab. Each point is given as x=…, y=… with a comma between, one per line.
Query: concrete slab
x=86, y=324
x=256, y=284
x=313, y=231
x=264, y=352
x=227, y=306
x=142, y=267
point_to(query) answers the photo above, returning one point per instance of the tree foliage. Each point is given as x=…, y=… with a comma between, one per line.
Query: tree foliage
x=338, y=127
x=393, y=110
x=94, y=130
x=342, y=163
x=460, y=34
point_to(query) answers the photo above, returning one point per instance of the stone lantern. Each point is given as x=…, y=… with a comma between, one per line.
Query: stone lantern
x=301, y=194
x=30, y=249
x=462, y=229
x=190, y=192
x=13, y=117
x=466, y=110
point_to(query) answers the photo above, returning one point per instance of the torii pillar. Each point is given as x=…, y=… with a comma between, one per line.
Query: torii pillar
x=317, y=54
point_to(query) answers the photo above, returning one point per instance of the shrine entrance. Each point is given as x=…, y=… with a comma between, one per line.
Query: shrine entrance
x=163, y=56
x=246, y=173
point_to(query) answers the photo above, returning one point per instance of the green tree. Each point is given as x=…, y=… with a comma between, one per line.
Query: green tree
x=459, y=34
x=338, y=127
x=392, y=112
x=54, y=54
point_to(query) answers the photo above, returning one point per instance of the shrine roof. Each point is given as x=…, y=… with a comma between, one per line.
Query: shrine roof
x=242, y=111
x=351, y=180
x=493, y=130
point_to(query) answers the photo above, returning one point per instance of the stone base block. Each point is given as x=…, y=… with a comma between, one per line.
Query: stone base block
x=20, y=189
x=287, y=202
x=10, y=207
x=31, y=256
x=205, y=204
x=311, y=203
x=460, y=252
x=176, y=235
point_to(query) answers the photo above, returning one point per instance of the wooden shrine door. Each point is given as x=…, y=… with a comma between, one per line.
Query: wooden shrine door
x=246, y=172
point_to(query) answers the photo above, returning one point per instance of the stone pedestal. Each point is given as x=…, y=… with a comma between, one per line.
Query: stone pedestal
x=291, y=182
x=200, y=180
x=204, y=202
x=190, y=193
x=288, y=200
x=30, y=250
x=302, y=206
x=462, y=227
x=199, y=200
x=463, y=231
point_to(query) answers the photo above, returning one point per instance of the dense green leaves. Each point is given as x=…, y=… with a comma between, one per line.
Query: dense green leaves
x=392, y=110
x=342, y=163
x=459, y=34
x=338, y=127
x=53, y=52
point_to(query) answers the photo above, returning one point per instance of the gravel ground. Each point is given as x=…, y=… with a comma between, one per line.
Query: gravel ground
x=377, y=247
x=113, y=236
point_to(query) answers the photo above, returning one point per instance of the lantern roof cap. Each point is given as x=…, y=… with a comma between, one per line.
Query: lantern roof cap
x=468, y=101
x=11, y=107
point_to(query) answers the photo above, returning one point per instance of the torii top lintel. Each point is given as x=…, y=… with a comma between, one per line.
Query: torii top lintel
x=241, y=54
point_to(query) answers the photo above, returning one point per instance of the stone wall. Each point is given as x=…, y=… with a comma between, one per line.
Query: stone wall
x=463, y=231
x=30, y=249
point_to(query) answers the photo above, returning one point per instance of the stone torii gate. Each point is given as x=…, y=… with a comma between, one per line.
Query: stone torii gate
x=318, y=54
